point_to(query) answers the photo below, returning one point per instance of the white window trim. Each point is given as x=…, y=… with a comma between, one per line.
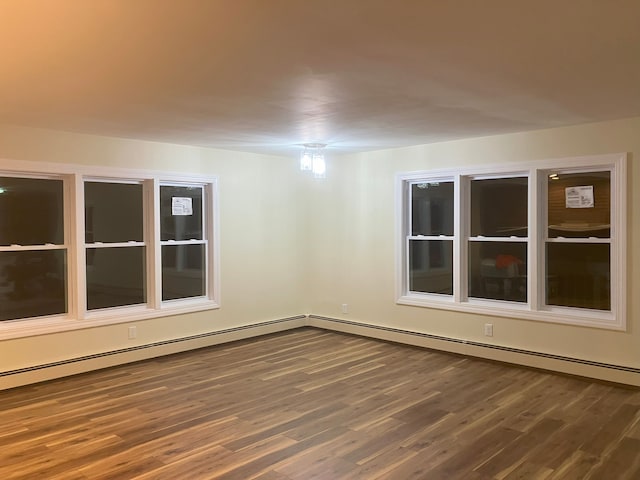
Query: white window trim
x=77, y=316
x=533, y=309
x=206, y=235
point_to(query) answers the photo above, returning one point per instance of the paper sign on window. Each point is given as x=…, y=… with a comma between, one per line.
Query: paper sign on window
x=181, y=206
x=579, y=197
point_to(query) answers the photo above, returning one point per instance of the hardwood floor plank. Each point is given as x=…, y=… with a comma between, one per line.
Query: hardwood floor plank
x=524, y=450
x=609, y=434
x=623, y=463
x=527, y=471
x=311, y=404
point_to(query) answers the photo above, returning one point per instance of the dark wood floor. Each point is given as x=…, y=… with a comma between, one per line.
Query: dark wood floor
x=310, y=404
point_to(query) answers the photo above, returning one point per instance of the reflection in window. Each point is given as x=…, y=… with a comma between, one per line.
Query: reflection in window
x=431, y=264
x=32, y=283
x=116, y=277
x=498, y=270
x=432, y=208
x=183, y=271
x=499, y=207
x=181, y=212
x=578, y=275
x=113, y=212
x=579, y=205
x=31, y=211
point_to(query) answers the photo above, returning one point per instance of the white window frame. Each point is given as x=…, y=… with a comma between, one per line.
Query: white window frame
x=77, y=316
x=534, y=308
x=452, y=238
x=82, y=306
x=65, y=245
x=467, y=239
x=207, y=234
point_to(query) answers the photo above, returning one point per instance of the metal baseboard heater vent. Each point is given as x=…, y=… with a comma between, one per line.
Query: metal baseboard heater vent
x=591, y=363
x=149, y=345
x=329, y=320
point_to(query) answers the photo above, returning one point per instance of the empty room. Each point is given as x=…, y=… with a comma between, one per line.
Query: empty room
x=294, y=240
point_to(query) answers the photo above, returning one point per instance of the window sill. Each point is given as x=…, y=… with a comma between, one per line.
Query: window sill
x=12, y=329
x=567, y=316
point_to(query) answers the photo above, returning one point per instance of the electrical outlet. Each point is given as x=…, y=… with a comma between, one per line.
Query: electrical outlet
x=488, y=329
x=345, y=308
x=133, y=332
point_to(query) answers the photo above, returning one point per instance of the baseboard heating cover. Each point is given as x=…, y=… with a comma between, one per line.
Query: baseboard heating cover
x=558, y=363
x=547, y=361
x=249, y=331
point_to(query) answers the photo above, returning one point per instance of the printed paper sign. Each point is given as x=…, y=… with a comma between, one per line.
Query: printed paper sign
x=579, y=197
x=181, y=206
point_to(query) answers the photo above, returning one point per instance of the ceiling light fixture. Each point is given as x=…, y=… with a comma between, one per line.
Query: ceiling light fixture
x=312, y=159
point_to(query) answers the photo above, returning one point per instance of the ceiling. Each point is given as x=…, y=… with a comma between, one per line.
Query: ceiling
x=269, y=75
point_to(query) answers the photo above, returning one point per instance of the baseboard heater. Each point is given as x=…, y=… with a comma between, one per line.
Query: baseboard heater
x=308, y=321
x=149, y=345
x=551, y=356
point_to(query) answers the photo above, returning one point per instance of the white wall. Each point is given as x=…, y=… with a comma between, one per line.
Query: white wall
x=292, y=245
x=261, y=226
x=353, y=234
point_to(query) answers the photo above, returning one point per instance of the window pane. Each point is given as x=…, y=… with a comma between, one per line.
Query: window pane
x=31, y=211
x=578, y=275
x=579, y=205
x=431, y=266
x=498, y=270
x=432, y=208
x=113, y=212
x=499, y=207
x=181, y=213
x=115, y=277
x=183, y=271
x=32, y=283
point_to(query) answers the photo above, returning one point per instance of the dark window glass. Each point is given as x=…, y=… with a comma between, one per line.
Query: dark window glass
x=183, y=271
x=498, y=270
x=113, y=212
x=180, y=213
x=32, y=283
x=115, y=277
x=31, y=211
x=579, y=205
x=499, y=207
x=578, y=275
x=432, y=208
x=431, y=266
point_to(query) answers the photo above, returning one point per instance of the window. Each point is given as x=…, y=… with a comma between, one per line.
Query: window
x=184, y=246
x=33, y=254
x=115, y=247
x=497, y=245
x=430, y=244
x=578, y=241
x=543, y=242
x=142, y=246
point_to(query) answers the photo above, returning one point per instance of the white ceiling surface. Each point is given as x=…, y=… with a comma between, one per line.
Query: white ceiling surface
x=269, y=75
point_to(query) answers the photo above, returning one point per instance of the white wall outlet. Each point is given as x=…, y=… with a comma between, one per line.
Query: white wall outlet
x=345, y=308
x=488, y=329
x=133, y=332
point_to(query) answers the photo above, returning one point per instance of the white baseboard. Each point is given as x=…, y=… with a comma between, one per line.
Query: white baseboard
x=555, y=363
x=73, y=366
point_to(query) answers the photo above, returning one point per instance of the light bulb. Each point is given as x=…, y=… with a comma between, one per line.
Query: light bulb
x=319, y=167
x=306, y=161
